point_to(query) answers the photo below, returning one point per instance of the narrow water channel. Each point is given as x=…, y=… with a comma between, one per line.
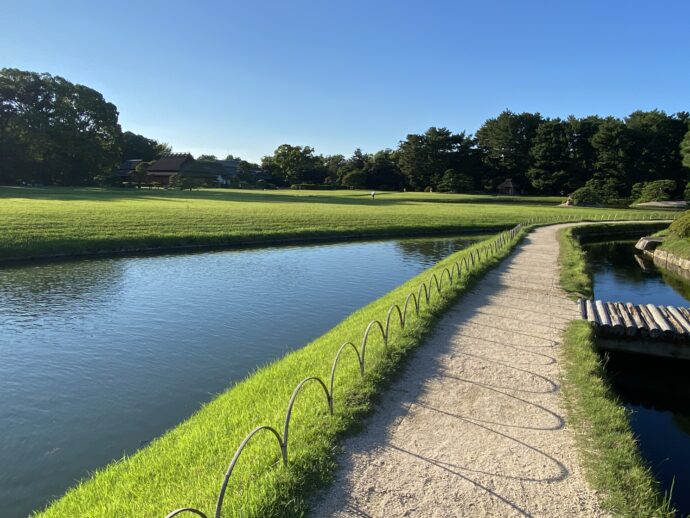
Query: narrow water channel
x=99, y=356
x=657, y=391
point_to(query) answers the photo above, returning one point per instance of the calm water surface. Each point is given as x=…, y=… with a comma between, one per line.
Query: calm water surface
x=99, y=356
x=656, y=390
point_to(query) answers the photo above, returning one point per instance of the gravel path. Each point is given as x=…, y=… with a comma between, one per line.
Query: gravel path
x=475, y=424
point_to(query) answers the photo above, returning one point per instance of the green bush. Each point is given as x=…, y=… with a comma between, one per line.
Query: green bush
x=587, y=195
x=659, y=190
x=599, y=191
x=681, y=226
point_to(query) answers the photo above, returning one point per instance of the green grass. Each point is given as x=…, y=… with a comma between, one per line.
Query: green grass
x=573, y=276
x=43, y=222
x=185, y=466
x=612, y=461
x=678, y=246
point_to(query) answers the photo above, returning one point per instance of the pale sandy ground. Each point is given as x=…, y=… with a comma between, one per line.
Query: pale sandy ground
x=475, y=424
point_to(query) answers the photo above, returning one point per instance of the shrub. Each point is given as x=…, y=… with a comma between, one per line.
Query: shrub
x=599, y=191
x=587, y=195
x=659, y=190
x=681, y=226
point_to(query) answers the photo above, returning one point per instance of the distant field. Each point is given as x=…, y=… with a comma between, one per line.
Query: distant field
x=38, y=222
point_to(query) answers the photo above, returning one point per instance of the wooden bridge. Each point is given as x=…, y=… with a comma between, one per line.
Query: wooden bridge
x=642, y=328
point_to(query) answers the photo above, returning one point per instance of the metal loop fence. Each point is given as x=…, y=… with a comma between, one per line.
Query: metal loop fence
x=453, y=274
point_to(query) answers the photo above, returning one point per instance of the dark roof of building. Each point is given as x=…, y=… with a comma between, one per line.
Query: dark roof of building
x=171, y=163
x=129, y=165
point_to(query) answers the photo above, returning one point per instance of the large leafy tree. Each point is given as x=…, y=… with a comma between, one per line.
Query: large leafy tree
x=139, y=147
x=423, y=159
x=54, y=131
x=382, y=171
x=505, y=142
x=551, y=157
x=612, y=146
x=654, y=153
x=582, y=153
x=295, y=165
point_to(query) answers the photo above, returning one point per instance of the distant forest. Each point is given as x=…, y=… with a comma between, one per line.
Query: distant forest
x=54, y=132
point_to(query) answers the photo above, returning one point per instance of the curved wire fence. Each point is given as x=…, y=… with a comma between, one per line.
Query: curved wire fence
x=464, y=265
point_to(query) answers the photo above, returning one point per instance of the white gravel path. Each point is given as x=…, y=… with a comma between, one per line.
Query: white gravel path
x=475, y=424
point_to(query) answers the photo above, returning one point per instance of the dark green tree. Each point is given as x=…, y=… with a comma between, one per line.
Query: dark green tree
x=582, y=153
x=654, y=146
x=55, y=132
x=452, y=181
x=295, y=164
x=382, y=171
x=505, y=143
x=551, y=158
x=612, y=147
x=423, y=159
x=685, y=149
x=139, y=147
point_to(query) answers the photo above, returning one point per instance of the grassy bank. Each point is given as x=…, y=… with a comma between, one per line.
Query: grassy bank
x=612, y=461
x=45, y=222
x=185, y=466
x=676, y=237
x=680, y=247
x=573, y=276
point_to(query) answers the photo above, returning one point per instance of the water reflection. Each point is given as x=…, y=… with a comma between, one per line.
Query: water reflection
x=426, y=250
x=58, y=289
x=618, y=275
x=100, y=356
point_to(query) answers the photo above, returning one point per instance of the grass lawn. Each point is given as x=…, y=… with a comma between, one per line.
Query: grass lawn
x=185, y=466
x=38, y=222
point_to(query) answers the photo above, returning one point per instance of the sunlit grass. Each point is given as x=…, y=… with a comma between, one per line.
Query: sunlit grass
x=613, y=463
x=40, y=222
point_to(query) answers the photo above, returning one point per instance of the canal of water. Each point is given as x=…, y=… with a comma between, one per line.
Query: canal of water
x=100, y=356
x=657, y=391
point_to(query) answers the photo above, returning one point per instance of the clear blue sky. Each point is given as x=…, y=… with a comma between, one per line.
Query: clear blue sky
x=228, y=77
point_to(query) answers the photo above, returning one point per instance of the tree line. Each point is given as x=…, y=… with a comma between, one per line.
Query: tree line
x=54, y=132
x=607, y=155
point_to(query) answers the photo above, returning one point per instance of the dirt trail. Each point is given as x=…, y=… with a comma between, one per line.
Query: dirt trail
x=475, y=425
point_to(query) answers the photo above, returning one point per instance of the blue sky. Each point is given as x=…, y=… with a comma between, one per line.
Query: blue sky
x=228, y=77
